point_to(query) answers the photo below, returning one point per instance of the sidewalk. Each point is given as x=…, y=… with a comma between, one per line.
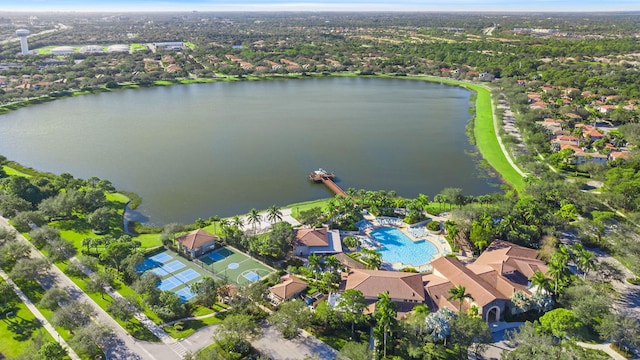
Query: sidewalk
x=39, y=316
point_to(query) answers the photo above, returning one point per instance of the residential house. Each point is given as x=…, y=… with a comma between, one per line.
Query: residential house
x=585, y=157
x=316, y=241
x=405, y=289
x=289, y=288
x=196, y=242
x=615, y=155
x=500, y=271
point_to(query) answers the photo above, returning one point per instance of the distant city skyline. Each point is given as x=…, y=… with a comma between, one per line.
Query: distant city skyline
x=323, y=5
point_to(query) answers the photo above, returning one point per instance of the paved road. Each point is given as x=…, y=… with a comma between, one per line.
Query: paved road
x=122, y=345
x=50, y=329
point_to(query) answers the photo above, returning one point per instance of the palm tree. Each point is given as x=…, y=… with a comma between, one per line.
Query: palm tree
x=332, y=262
x=274, y=214
x=237, y=221
x=371, y=259
x=215, y=220
x=459, y=293
x=315, y=264
x=87, y=242
x=540, y=280
x=254, y=218
x=440, y=199
x=586, y=261
x=385, y=314
x=224, y=223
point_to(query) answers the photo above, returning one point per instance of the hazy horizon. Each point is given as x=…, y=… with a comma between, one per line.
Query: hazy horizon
x=325, y=5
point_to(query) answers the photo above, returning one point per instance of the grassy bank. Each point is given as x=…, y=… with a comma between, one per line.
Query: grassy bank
x=485, y=134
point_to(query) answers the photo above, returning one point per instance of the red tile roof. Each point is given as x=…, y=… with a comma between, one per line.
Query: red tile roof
x=196, y=239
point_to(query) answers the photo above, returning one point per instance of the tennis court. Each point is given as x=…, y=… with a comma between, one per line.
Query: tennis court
x=176, y=274
x=234, y=267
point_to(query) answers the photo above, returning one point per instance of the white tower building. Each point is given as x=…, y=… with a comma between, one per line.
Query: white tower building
x=24, y=46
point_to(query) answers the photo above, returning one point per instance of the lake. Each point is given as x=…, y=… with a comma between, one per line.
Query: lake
x=223, y=148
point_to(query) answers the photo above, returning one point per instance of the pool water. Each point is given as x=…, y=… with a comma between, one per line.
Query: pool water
x=397, y=247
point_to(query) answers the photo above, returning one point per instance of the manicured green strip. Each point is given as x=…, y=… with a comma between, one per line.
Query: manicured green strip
x=13, y=172
x=17, y=331
x=485, y=134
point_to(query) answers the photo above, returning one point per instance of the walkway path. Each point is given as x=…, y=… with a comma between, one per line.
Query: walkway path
x=121, y=345
x=148, y=323
x=54, y=333
x=496, y=129
x=606, y=347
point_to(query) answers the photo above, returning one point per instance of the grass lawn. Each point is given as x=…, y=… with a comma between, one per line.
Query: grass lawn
x=17, y=331
x=190, y=326
x=13, y=172
x=304, y=206
x=132, y=325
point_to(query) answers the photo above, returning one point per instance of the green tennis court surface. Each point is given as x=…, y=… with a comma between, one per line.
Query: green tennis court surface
x=234, y=266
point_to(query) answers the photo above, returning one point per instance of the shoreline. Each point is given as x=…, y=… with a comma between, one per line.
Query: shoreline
x=487, y=140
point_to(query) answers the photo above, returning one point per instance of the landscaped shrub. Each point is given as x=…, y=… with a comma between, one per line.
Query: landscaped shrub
x=433, y=226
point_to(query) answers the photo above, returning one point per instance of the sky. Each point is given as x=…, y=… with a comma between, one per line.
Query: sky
x=320, y=5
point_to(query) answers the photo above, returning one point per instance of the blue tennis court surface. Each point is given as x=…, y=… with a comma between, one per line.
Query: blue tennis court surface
x=185, y=293
x=187, y=275
x=160, y=271
x=169, y=283
x=147, y=264
x=216, y=256
x=173, y=266
x=251, y=276
x=162, y=257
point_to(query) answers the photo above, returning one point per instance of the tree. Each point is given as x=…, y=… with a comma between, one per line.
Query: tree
x=316, y=264
x=102, y=219
x=385, y=314
x=355, y=351
x=438, y=324
x=73, y=315
x=459, y=293
x=623, y=330
x=529, y=344
x=274, y=214
x=60, y=250
x=586, y=261
x=12, y=252
x=560, y=323
x=98, y=283
x=53, y=298
x=44, y=235
x=115, y=252
x=121, y=308
x=52, y=351
x=351, y=304
x=371, y=258
x=290, y=317
x=254, y=218
x=415, y=319
x=30, y=269
x=468, y=331
x=91, y=339
x=206, y=291
x=233, y=333
x=540, y=280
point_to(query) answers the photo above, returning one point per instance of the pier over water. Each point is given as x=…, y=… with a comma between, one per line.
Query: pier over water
x=326, y=178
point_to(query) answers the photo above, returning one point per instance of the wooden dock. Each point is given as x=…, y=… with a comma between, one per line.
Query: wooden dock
x=326, y=178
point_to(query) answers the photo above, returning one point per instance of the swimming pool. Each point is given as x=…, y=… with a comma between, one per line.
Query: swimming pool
x=397, y=247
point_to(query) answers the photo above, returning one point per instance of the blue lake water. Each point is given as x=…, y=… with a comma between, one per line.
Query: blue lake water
x=221, y=149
